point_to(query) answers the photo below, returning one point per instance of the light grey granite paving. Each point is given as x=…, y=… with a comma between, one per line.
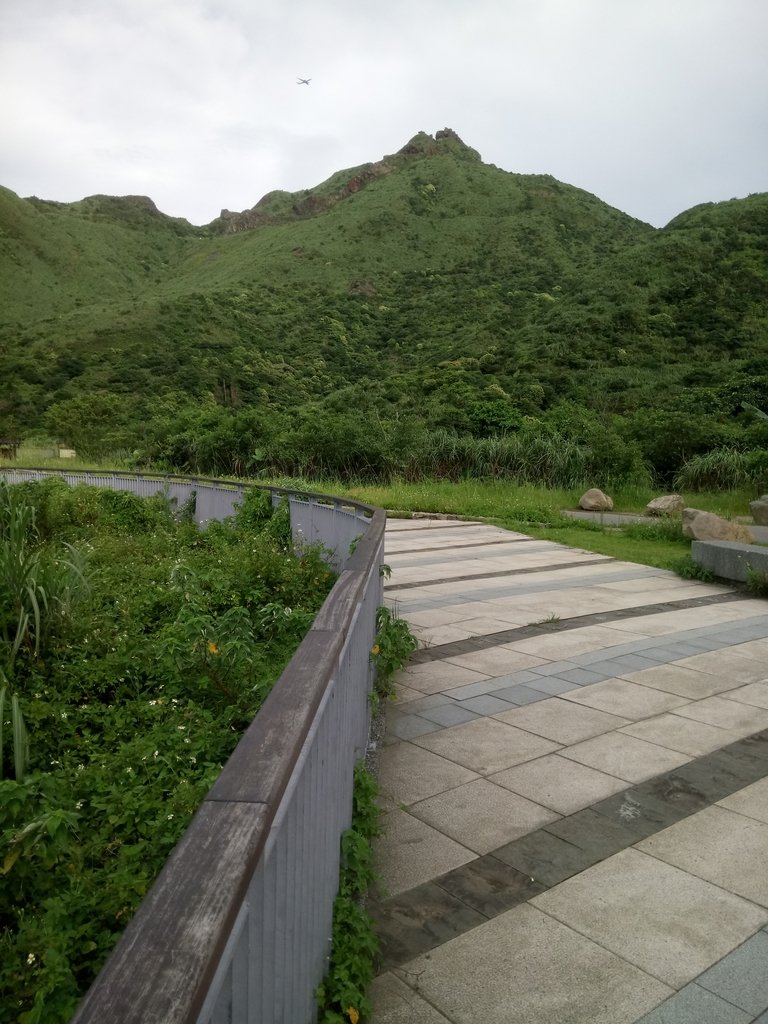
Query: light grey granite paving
x=536, y=726
x=394, y=1002
x=525, y=967
x=482, y=816
x=487, y=745
x=723, y=847
x=411, y=852
x=558, y=783
x=653, y=915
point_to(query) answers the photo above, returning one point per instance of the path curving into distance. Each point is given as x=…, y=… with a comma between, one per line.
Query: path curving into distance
x=574, y=779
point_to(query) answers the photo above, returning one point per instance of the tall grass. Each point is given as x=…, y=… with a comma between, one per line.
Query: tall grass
x=38, y=588
x=725, y=469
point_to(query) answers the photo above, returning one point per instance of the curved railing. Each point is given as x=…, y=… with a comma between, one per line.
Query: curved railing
x=237, y=925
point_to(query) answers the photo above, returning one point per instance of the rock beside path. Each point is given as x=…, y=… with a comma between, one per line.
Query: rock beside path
x=594, y=500
x=665, y=505
x=700, y=525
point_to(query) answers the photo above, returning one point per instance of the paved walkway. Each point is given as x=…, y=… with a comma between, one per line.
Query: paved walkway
x=575, y=785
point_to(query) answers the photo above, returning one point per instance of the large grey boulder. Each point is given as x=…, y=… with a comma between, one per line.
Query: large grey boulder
x=594, y=500
x=759, y=510
x=706, y=526
x=665, y=505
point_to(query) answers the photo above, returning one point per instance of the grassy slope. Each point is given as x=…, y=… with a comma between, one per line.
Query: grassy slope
x=441, y=273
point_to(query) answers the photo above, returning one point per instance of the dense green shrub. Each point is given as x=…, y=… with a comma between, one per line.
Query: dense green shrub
x=132, y=707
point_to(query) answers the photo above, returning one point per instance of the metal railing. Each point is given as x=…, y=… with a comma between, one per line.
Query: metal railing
x=237, y=926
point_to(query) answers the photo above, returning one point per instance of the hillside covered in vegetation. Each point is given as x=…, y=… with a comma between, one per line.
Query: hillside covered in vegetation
x=424, y=314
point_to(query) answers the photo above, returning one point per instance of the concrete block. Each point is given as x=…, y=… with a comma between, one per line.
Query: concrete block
x=729, y=559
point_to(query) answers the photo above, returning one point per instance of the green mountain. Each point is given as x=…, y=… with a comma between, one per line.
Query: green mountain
x=427, y=291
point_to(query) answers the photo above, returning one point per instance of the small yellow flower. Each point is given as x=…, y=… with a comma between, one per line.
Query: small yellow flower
x=353, y=1015
x=375, y=650
x=212, y=647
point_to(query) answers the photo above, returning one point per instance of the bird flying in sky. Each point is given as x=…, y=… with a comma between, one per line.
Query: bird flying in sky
x=303, y=81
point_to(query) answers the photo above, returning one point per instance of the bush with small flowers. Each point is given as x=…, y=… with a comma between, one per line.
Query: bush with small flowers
x=135, y=706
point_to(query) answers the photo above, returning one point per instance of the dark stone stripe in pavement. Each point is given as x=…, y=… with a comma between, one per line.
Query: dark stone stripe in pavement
x=506, y=636
x=501, y=572
x=421, y=918
x=463, y=547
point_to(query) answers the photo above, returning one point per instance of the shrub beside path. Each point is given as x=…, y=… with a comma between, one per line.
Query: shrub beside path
x=574, y=780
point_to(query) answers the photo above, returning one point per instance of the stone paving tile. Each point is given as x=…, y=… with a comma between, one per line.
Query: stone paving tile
x=584, y=676
x=727, y=714
x=432, y=700
x=755, y=649
x=434, y=636
x=519, y=695
x=707, y=643
x=410, y=852
x=654, y=915
x=490, y=886
x=481, y=815
x=551, y=685
x=664, y=656
x=742, y=978
x=558, y=783
x=751, y=801
x=555, y=668
x=719, y=846
x=523, y=966
x=456, y=613
x=393, y=1002
x=490, y=686
x=626, y=699
x=572, y=643
x=600, y=835
x=623, y=756
x=662, y=800
x=408, y=727
x=419, y=920
x=624, y=664
x=727, y=662
x=721, y=773
x=496, y=661
x=548, y=858
x=684, y=681
x=405, y=694
x=487, y=704
x=449, y=714
x=754, y=693
x=436, y=676
x=678, y=733
x=486, y=745
x=561, y=720
x=694, y=1005
x=486, y=626
x=408, y=773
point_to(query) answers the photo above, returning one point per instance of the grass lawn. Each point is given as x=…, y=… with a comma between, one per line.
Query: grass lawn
x=531, y=510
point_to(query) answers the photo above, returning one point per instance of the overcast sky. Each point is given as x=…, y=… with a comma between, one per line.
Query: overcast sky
x=652, y=105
